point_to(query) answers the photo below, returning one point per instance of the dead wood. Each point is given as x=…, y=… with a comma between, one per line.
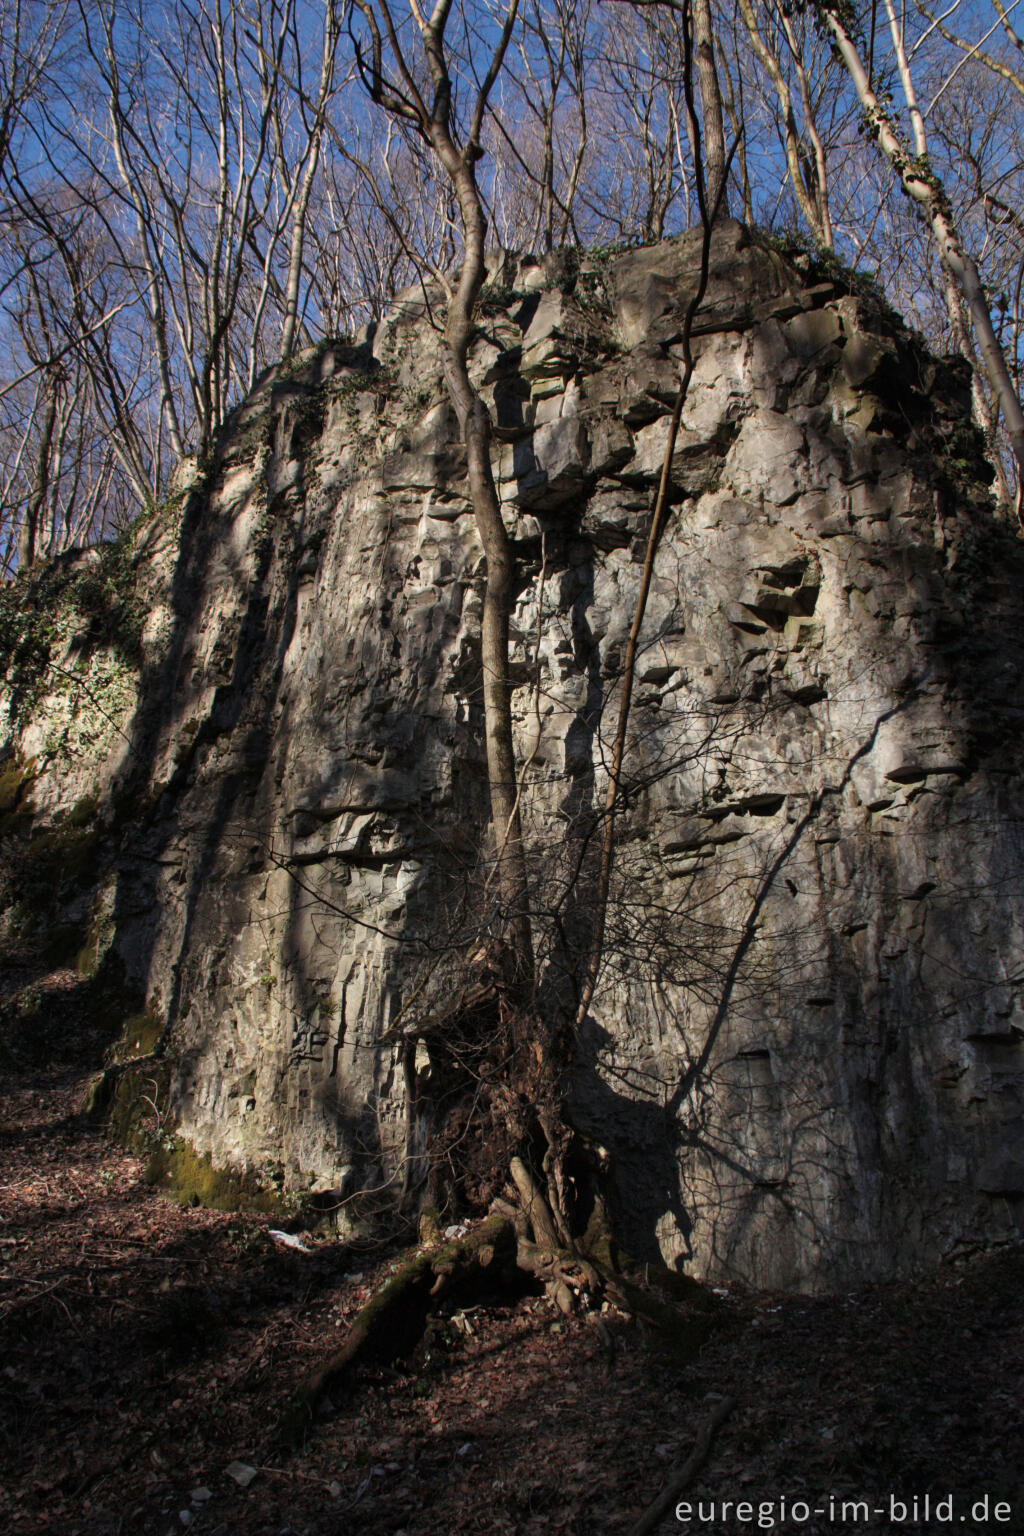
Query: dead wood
x=663, y=1504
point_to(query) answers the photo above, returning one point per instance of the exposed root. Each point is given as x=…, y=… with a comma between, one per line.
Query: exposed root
x=535, y=1207
x=564, y=1272
x=391, y=1324
x=515, y=1237
x=566, y=1276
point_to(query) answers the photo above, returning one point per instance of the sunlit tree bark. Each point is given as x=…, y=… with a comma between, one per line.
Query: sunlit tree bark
x=921, y=183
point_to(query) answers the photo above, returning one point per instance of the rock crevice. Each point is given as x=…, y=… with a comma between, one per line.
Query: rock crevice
x=806, y=1056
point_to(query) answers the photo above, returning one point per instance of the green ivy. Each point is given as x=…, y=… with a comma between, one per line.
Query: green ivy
x=39, y=610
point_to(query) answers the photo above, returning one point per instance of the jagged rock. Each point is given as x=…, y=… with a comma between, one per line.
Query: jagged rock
x=547, y=468
x=805, y=1059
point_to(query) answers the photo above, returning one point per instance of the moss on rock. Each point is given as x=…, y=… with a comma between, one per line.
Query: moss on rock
x=192, y=1179
x=139, y=1037
x=16, y=809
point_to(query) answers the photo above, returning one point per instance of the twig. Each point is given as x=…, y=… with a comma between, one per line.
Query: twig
x=662, y=1506
x=24, y=1301
x=708, y=216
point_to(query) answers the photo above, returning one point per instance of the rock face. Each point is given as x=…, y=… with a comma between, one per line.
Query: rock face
x=806, y=1055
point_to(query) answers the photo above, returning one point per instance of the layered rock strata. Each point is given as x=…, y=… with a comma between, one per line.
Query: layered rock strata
x=805, y=1060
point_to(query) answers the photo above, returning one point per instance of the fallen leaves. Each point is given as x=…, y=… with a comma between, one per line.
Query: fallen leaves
x=147, y=1349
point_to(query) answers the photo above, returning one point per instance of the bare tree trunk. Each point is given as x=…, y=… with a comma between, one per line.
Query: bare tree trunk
x=499, y=595
x=291, y=292
x=29, y=532
x=819, y=227
x=436, y=125
x=922, y=184
x=301, y=209
x=818, y=188
x=985, y=414
x=144, y=230
x=711, y=102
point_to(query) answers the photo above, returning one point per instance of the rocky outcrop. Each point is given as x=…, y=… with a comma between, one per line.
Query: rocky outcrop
x=806, y=1056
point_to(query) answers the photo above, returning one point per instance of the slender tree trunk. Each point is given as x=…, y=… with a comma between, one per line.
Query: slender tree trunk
x=986, y=416
x=923, y=185
x=28, y=536
x=435, y=126
x=805, y=199
x=291, y=301
x=819, y=188
x=301, y=210
x=711, y=103
x=499, y=597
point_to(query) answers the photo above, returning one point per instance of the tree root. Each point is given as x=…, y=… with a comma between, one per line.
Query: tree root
x=391, y=1324
x=564, y=1272
x=682, y=1475
x=513, y=1238
x=565, y=1275
x=535, y=1207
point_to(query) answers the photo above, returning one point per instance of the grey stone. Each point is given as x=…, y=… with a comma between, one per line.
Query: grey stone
x=818, y=877
x=810, y=334
x=548, y=468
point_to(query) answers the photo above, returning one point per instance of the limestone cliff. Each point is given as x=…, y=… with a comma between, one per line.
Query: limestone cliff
x=806, y=1056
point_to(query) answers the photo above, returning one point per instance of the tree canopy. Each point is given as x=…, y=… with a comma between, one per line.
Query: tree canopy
x=191, y=190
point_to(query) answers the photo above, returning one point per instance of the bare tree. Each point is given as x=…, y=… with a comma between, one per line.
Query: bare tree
x=30, y=31
x=924, y=186
x=433, y=116
x=232, y=179
x=642, y=77
x=699, y=20
x=773, y=39
x=541, y=128
x=711, y=103
x=542, y=1035
x=533, y=1039
x=300, y=184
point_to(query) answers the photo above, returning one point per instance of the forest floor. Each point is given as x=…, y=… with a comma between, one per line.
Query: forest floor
x=147, y=1353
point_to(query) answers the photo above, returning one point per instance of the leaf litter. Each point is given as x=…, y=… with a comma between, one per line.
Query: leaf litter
x=148, y=1351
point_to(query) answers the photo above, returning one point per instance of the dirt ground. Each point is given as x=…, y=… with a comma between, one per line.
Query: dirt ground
x=148, y=1352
